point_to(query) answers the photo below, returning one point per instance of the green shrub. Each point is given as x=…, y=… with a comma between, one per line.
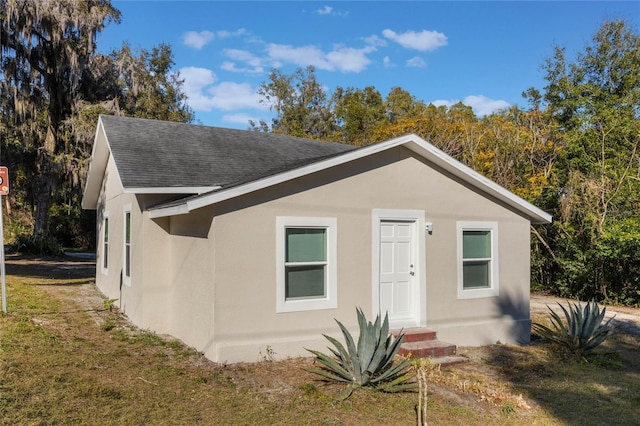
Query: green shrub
x=369, y=363
x=43, y=246
x=581, y=330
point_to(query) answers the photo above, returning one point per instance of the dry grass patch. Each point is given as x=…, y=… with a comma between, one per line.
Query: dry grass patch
x=67, y=359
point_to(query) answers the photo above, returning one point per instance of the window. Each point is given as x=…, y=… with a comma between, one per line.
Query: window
x=127, y=247
x=477, y=259
x=306, y=263
x=105, y=244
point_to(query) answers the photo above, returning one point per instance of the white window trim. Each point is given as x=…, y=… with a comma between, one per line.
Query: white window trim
x=477, y=293
x=127, y=209
x=330, y=301
x=105, y=271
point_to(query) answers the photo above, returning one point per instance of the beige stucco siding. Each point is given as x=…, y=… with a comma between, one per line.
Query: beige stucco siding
x=113, y=202
x=243, y=238
x=192, y=277
x=209, y=277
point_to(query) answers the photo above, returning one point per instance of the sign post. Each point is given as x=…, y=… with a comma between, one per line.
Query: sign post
x=4, y=190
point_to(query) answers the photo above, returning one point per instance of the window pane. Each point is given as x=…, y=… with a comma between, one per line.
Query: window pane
x=127, y=261
x=476, y=244
x=304, y=281
x=306, y=245
x=106, y=230
x=128, y=227
x=476, y=274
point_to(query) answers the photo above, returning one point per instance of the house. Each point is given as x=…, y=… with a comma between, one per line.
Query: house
x=234, y=241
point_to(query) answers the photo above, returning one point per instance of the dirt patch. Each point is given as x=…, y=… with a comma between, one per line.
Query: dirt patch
x=485, y=384
x=50, y=268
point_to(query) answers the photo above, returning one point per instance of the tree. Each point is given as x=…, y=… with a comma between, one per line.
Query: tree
x=401, y=104
x=46, y=47
x=300, y=103
x=358, y=112
x=596, y=102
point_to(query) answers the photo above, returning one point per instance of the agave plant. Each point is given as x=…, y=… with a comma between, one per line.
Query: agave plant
x=582, y=331
x=369, y=363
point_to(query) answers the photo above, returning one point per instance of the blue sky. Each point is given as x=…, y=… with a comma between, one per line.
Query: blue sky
x=484, y=54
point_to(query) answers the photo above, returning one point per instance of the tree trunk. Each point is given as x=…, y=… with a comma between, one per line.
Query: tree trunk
x=47, y=184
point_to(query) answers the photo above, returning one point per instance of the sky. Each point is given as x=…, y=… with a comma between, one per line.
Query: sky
x=484, y=54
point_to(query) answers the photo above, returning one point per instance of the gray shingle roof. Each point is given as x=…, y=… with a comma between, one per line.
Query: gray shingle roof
x=159, y=154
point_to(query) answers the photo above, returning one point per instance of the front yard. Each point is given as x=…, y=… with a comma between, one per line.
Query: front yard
x=66, y=358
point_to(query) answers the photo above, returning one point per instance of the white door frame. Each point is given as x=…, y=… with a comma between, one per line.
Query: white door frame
x=416, y=216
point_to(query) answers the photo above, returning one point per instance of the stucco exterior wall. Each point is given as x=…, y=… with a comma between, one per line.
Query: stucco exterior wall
x=224, y=294
x=112, y=203
x=209, y=277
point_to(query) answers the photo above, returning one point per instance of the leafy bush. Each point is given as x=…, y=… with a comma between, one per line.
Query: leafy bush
x=370, y=363
x=47, y=246
x=583, y=330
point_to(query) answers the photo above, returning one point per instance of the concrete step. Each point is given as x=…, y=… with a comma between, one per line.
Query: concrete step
x=415, y=334
x=426, y=348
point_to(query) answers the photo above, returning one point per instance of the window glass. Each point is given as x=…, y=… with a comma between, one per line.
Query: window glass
x=306, y=245
x=476, y=274
x=476, y=244
x=305, y=281
x=477, y=259
x=128, y=228
x=105, y=254
x=306, y=273
x=127, y=245
x=305, y=257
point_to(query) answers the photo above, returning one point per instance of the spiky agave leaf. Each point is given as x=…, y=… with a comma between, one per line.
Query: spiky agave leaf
x=401, y=383
x=340, y=352
x=583, y=330
x=392, y=371
x=354, y=360
x=368, y=341
x=332, y=367
x=380, y=357
x=369, y=363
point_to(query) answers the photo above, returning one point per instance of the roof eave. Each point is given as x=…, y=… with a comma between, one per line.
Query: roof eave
x=171, y=190
x=99, y=158
x=411, y=141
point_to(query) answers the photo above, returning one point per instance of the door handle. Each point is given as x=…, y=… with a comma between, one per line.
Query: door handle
x=412, y=273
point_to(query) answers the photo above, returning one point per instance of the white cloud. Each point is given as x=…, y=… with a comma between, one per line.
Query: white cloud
x=195, y=81
x=240, y=118
x=231, y=96
x=197, y=40
x=416, y=62
x=345, y=59
x=374, y=40
x=481, y=105
x=325, y=10
x=423, y=41
x=255, y=64
x=386, y=61
x=205, y=96
x=227, y=34
x=348, y=59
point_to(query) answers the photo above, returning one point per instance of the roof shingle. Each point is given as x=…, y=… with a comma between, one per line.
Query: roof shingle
x=162, y=154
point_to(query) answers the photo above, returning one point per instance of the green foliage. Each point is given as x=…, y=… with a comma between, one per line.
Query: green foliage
x=581, y=330
x=595, y=193
x=369, y=363
x=41, y=246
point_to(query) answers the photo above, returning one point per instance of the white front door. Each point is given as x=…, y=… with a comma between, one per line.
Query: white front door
x=399, y=295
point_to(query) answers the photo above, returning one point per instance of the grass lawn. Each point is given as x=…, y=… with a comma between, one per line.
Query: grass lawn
x=65, y=358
